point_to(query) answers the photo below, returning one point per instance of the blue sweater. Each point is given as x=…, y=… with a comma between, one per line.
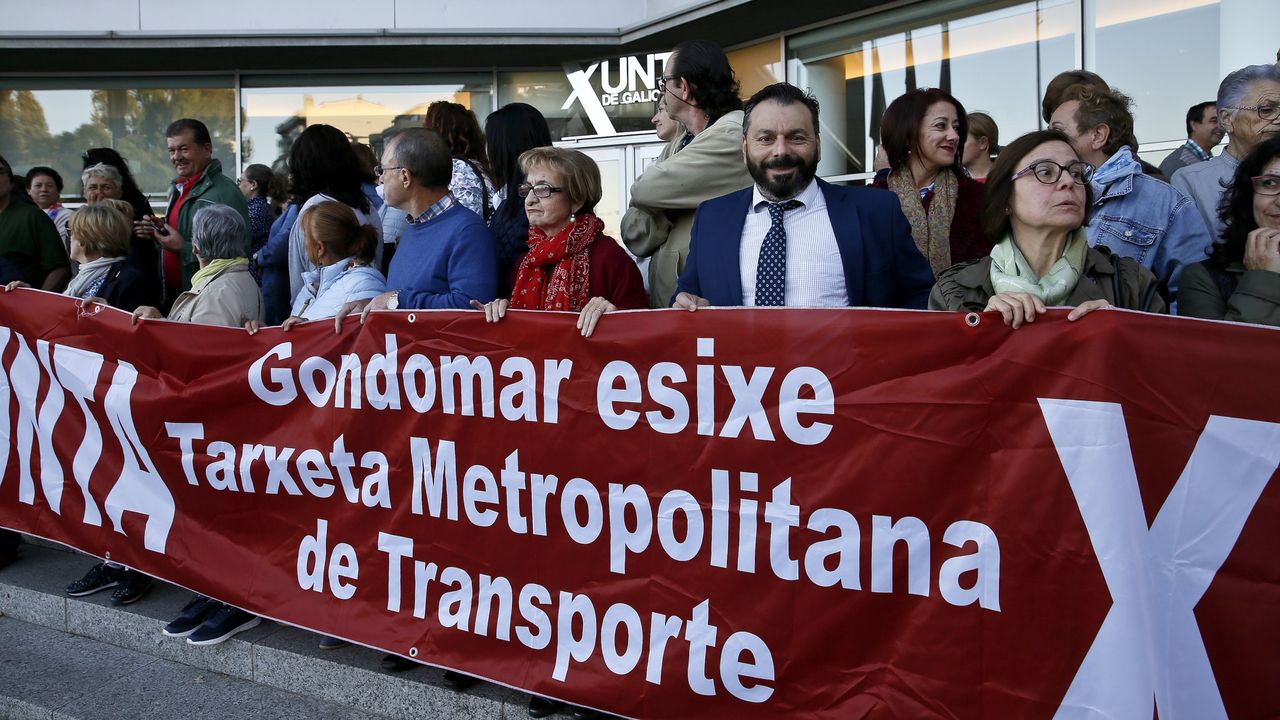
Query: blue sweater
x=273, y=259
x=445, y=262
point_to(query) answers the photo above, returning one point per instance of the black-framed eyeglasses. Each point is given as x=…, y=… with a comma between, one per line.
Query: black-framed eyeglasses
x=1266, y=111
x=1048, y=171
x=541, y=190
x=1266, y=184
x=662, y=82
x=379, y=169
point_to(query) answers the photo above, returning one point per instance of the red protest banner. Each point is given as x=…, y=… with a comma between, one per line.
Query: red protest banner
x=733, y=513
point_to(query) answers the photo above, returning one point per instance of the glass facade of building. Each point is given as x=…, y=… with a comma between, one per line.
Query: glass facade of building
x=53, y=122
x=995, y=56
x=275, y=110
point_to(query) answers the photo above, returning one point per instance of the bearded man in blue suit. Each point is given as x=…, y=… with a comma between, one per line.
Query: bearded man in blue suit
x=794, y=240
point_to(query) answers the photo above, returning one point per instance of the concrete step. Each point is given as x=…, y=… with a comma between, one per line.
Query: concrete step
x=54, y=675
x=276, y=656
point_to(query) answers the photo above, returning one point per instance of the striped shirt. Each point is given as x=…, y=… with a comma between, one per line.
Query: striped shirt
x=815, y=270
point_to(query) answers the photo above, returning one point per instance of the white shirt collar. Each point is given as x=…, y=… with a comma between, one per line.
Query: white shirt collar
x=809, y=197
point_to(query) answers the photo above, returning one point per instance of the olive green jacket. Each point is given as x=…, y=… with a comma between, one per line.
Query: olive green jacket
x=967, y=286
x=1255, y=298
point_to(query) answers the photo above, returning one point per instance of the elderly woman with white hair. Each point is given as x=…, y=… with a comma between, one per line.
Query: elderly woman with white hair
x=101, y=181
x=223, y=291
x=1249, y=111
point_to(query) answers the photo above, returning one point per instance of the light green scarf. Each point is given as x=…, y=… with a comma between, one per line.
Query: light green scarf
x=1010, y=271
x=214, y=267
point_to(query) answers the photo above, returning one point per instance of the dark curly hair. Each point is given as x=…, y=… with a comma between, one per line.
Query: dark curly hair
x=1236, y=208
x=460, y=129
x=714, y=86
x=994, y=218
x=322, y=161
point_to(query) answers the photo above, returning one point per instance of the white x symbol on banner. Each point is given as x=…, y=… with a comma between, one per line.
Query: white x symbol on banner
x=1149, y=646
x=580, y=80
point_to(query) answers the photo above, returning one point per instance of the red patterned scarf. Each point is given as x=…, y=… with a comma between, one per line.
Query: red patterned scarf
x=553, y=274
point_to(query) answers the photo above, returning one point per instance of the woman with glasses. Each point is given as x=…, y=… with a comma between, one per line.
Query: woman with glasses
x=1249, y=112
x=1241, y=279
x=571, y=264
x=1033, y=212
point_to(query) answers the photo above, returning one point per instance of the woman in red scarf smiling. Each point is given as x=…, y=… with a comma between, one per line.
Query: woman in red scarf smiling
x=571, y=264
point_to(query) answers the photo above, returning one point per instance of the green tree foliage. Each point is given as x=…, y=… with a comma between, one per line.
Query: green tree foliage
x=131, y=121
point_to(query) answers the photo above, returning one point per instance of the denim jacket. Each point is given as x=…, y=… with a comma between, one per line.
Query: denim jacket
x=1139, y=217
x=325, y=290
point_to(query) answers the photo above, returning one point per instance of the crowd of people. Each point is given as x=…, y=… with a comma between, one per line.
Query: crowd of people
x=497, y=219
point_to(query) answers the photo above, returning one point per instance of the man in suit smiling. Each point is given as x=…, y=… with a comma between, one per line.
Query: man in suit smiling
x=794, y=240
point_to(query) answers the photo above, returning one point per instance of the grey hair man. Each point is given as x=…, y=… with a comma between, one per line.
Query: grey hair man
x=1249, y=112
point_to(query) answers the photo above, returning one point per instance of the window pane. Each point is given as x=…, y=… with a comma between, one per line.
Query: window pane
x=44, y=125
x=757, y=66
x=546, y=91
x=1180, y=37
x=994, y=57
x=274, y=116
x=622, y=89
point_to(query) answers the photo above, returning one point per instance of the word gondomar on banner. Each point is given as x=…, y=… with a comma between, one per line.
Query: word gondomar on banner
x=750, y=513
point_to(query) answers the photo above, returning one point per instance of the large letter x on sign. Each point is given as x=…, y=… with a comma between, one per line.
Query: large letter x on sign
x=1149, y=647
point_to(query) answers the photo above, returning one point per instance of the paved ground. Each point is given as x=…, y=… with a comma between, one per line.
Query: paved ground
x=77, y=658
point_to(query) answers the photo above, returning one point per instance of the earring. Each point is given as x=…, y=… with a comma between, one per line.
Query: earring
x=573, y=217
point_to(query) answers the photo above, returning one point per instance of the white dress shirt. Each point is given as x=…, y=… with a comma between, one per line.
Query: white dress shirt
x=815, y=271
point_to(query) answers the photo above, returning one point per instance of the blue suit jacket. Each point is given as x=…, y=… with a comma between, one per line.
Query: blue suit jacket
x=882, y=267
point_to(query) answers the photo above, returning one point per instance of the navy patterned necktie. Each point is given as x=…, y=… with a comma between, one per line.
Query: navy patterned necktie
x=771, y=272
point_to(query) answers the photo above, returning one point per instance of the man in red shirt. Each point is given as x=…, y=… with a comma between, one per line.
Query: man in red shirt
x=200, y=181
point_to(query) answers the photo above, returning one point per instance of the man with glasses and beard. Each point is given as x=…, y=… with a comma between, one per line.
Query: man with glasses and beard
x=794, y=240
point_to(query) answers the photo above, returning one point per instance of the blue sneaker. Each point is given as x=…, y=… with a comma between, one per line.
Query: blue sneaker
x=222, y=625
x=332, y=643
x=193, y=616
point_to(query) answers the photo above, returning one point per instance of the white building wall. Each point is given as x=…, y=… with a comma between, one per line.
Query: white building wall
x=222, y=17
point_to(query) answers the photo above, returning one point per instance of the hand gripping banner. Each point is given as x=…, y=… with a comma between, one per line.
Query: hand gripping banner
x=728, y=513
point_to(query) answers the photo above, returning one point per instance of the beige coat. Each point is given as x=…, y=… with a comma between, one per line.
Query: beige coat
x=229, y=298
x=664, y=198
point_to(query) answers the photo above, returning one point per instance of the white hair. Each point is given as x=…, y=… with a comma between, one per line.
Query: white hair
x=219, y=232
x=102, y=170
x=1235, y=86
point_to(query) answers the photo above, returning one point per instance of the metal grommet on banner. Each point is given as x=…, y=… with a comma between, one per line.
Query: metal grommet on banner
x=90, y=309
x=106, y=555
x=413, y=652
x=973, y=319
x=412, y=317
